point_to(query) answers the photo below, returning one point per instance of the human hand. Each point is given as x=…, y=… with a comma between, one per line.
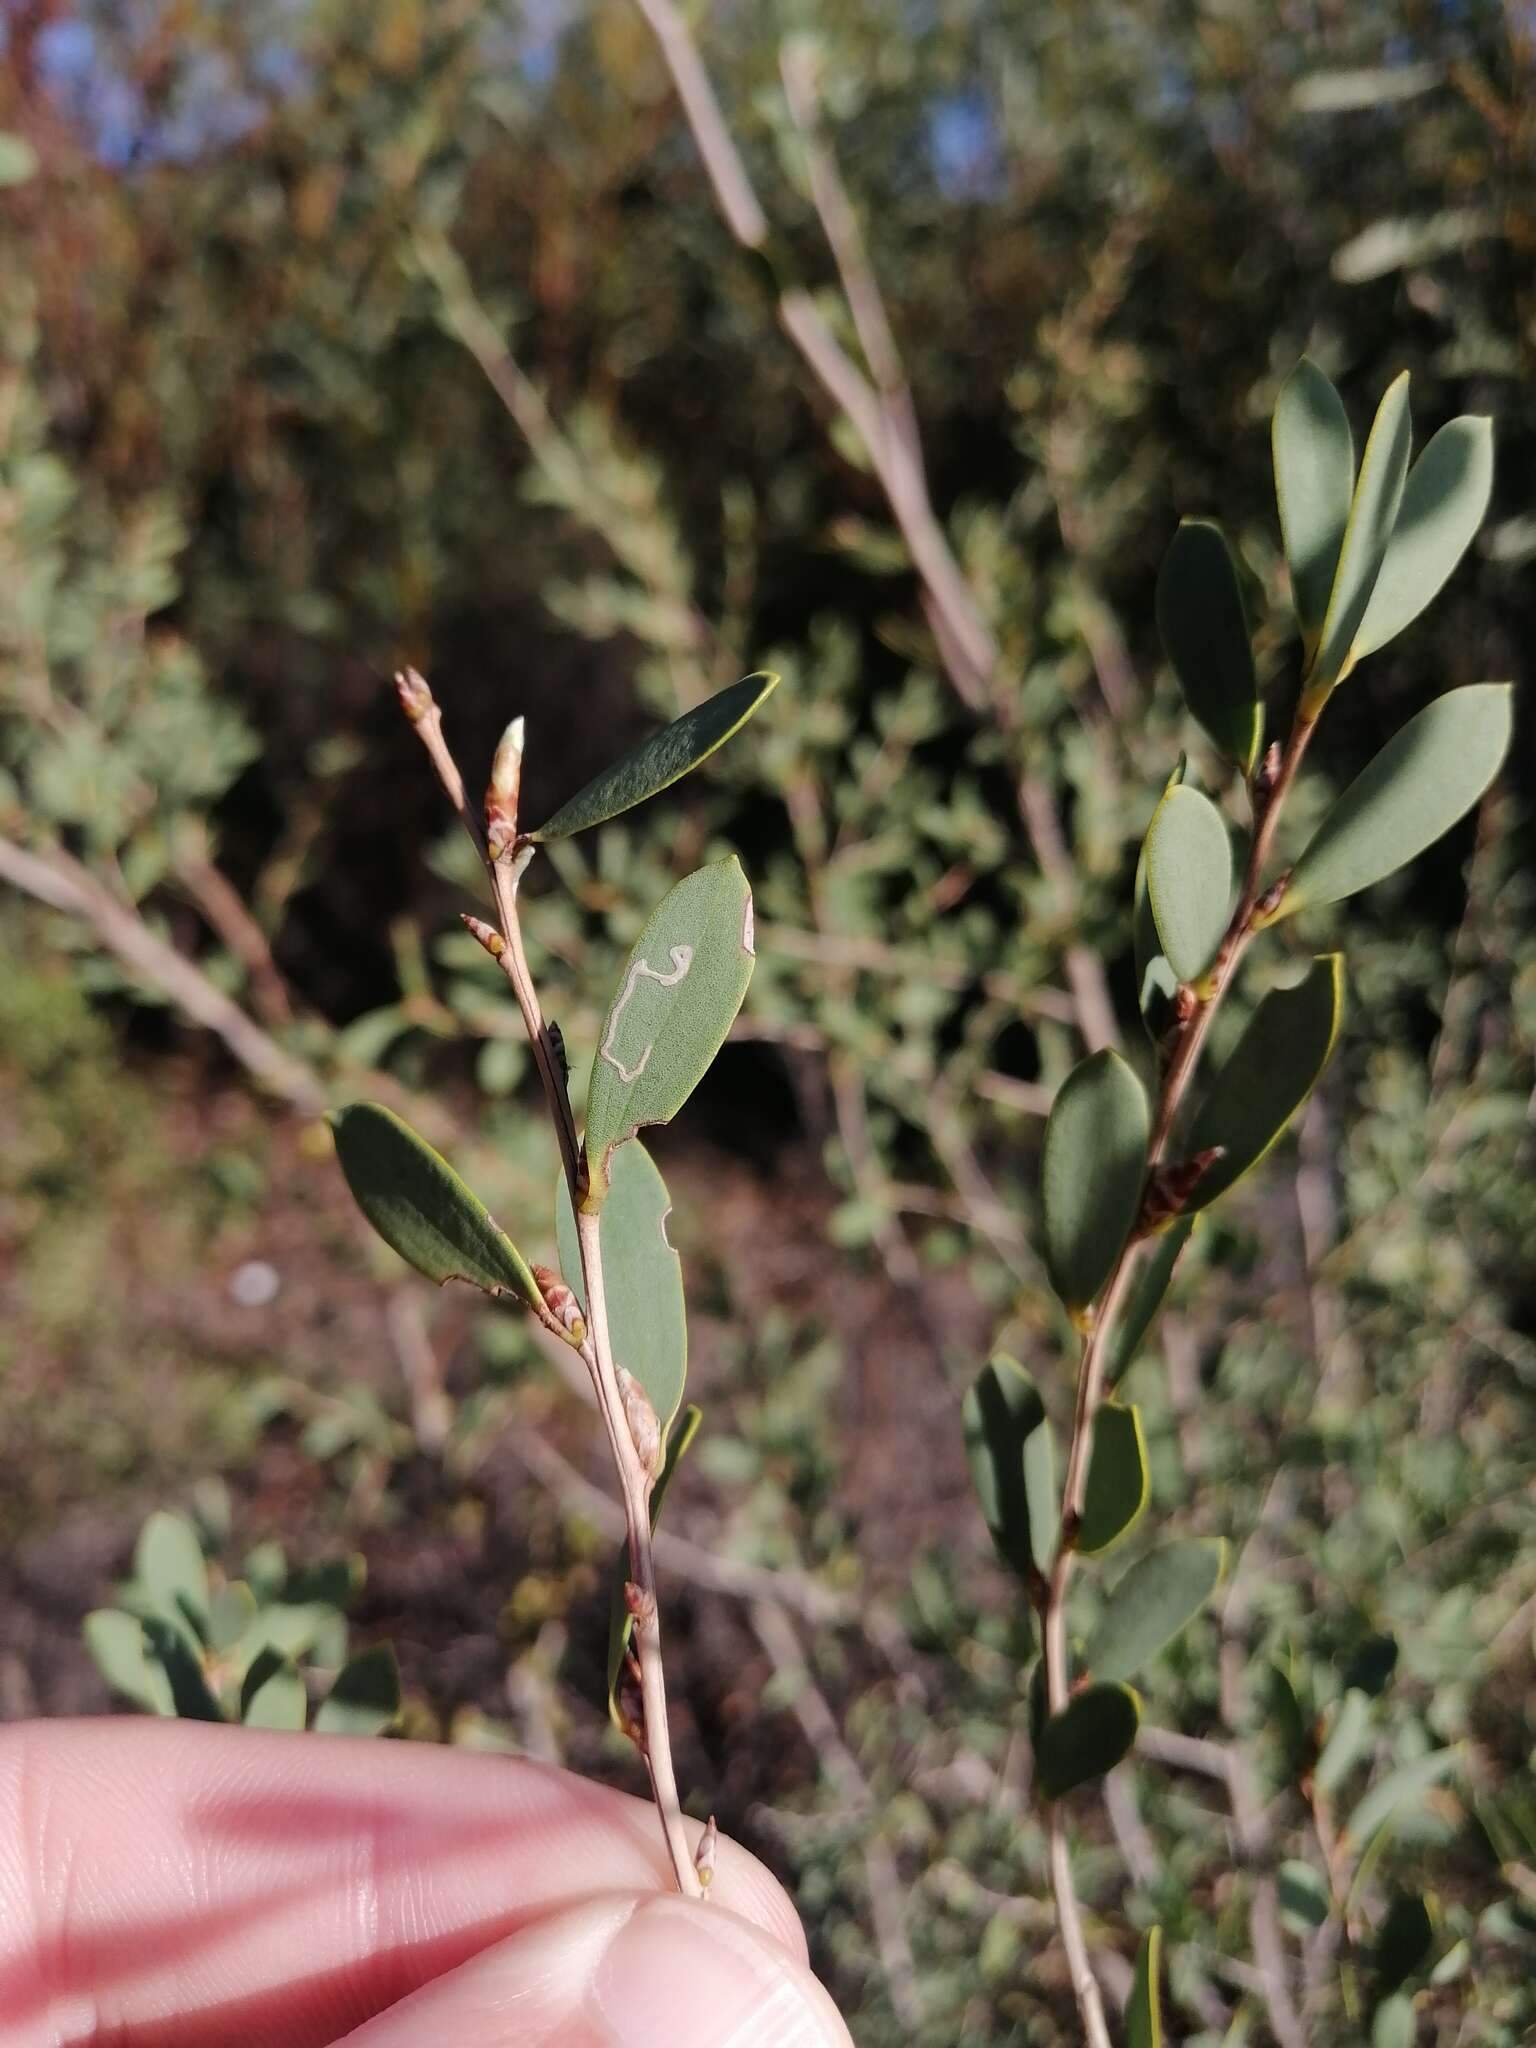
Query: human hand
x=165, y=1884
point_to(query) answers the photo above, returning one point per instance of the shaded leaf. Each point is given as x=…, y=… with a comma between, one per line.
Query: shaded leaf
x=1269, y=1074
x=421, y=1208
x=1011, y=1451
x=1143, y=2011
x=1348, y=1734
x=1372, y=515
x=191, y=1696
x=1314, y=459
x=661, y=760
x=1160, y=1594
x=1118, y=1480
x=1189, y=879
x=1091, y=1172
x=1303, y=1895
x=365, y=1700
x=642, y=1276
x=1424, y=779
x=1204, y=630
x=170, y=1570
x=621, y=1624
x=1444, y=501
x=117, y=1646
x=1404, y=1940
x=1156, y=982
x=1398, y=1788
x=1090, y=1735
x=1144, y=1297
x=676, y=1001
x=277, y=1698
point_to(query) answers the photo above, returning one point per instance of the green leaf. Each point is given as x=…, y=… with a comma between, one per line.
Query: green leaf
x=1393, y=2024
x=676, y=1001
x=116, y=1643
x=1372, y=516
x=1090, y=1735
x=1388, y=1795
x=1143, y=2012
x=1160, y=1594
x=420, y=1207
x=642, y=1276
x=1424, y=779
x=365, y=1700
x=1444, y=502
x=1347, y=1738
x=191, y=1697
x=1269, y=1074
x=18, y=160
x=169, y=1568
x=1189, y=879
x=1404, y=1940
x=663, y=759
x=1118, y=1480
x=1092, y=1166
x=1303, y=1895
x=1156, y=982
x=276, y=1699
x=1154, y=1272
x=231, y=1614
x=1204, y=630
x=1314, y=458
x=621, y=1623
x=1011, y=1451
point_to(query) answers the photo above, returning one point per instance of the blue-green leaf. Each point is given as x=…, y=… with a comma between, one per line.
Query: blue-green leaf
x=1092, y=1166
x=116, y=1643
x=661, y=760
x=1444, y=502
x=365, y=1700
x=642, y=1276
x=1314, y=481
x=1011, y=1452
x=1160, y=1594
x=1204, y=630
x=1118, y=1479
x=1189, y=879
x=1372, y=516
x=1090, y=1735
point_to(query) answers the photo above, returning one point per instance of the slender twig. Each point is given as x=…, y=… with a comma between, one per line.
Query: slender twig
x=505, y=859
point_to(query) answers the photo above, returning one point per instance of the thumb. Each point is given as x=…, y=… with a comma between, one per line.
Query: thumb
x=620, y=1971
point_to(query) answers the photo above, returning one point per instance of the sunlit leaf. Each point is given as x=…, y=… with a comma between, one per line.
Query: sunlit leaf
x=1348, y=1735
x=1091, y=1172
x=1160, y=1594
x=1424, y=779
x=191, y=1695
x=1204, y=630
x=621, y=1625
x=661, y=760
x=677, y=999
x=421, y=1208
x=1394, y=2023
x=1143, y=2010
x=1314, y=459
x=1090, y=1735
x=1444, y=502
x=642, y=1276
x=1269, y=1074
x=1189, y=879
x=1372, y=515
x=1011, y=1451
x=116, y=1643
x=1399, y=1788
x=365, y=1700
x=1144, y=1297
x=1118, y=1480
x=170, y=1570
x=273, y=1696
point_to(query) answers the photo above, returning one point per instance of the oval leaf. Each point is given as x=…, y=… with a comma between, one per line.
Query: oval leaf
x=642, y=1276
x=1156, y=982
x=661, y=760
x=420, y=1207
x=1314, y=457
x=1272, y=1070
x=1145, y=1296
x=676, y=1001
x=1011, y=1451
x=1424, y=779
x=1091, y=1172
x=365, y=1700
x=1404, y=1940
x=1204, y=631
x=1118, y=1480
x=1143, y=2011
x=1443, y=505
x=276, y=1700
x=621, y=1623
x=191, y=1696
x=171, y=1573
x=1189, y=879
x=116, y=1643
x=1090, y=1735
x=1158, y=1596
x=1372, y=516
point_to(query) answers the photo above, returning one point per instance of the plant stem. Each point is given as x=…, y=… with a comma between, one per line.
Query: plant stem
x=1178, y=1071
x=505, y=872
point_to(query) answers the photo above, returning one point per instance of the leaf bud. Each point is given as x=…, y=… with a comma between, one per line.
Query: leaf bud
x=561, y=1303
x=644, y=1429
x=502, y=794
x=416, y=699
x=487, y=934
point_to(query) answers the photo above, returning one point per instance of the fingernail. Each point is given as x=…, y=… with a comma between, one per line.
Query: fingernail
x=682, y=1975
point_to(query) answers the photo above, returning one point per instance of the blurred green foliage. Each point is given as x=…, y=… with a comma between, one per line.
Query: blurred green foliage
x=251, y=459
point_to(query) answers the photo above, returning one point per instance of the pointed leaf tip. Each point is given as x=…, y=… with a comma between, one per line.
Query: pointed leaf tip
x=1204, y=629
x=1314, y=461
x=1092, y=1167
x=663, y=759
x=1372, y=515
